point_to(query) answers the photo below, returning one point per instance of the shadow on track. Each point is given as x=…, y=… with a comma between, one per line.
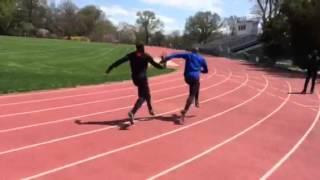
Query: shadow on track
x=124, y=124
x=274, y=71
x=172, y=118
x=300, y=93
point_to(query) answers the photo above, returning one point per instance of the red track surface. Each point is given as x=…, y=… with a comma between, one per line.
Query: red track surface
x=248, y=127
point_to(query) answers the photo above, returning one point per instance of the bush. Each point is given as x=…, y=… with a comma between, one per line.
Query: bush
x=78, y=38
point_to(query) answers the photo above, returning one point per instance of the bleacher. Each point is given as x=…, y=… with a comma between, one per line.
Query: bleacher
x=231, y=44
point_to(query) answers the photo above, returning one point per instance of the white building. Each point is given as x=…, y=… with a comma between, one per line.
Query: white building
x=247, y=27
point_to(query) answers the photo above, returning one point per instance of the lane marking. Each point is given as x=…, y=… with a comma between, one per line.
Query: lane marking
x=294, y=148
x=146, y=140
x=81, y=94
x=229, y=140
x=99, y=130
x=90, y=102
x=108, y=111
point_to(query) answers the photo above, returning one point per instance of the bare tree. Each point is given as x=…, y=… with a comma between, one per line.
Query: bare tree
x=149, y=22
x=231, y=23
x=126, y=33
x=267, y=9
x=68, y=19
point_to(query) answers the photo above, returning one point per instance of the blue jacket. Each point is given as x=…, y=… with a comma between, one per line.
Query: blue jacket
x=195, y=64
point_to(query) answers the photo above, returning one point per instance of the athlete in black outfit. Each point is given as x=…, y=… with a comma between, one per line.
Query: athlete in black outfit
x=312, y=71
x=139, y=61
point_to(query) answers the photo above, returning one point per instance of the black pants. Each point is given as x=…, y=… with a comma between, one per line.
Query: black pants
x=194, y=86
x=311, y=73
x=143, y=93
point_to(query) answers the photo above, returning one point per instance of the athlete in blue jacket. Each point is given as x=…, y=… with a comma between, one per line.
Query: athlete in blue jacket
x=194, y=65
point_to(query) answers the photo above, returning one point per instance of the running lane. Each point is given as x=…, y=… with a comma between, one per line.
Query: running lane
x=248, y=127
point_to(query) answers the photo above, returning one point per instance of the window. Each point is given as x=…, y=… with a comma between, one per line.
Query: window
x=242, y=27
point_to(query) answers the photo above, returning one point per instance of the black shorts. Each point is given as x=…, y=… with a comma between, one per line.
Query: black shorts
x=143, y=87
x=194, y=85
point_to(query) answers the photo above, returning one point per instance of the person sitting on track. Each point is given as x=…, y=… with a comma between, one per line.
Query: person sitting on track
x=312, y=71
x=195, y=64
x=139, y=61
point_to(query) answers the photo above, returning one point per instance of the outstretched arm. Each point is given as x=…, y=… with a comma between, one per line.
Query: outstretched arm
x=117, y=63
x=173, y=56
x=154, y=64
x=204, y=66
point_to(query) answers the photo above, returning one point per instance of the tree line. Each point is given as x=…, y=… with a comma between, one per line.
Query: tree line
x=291, y=29
x=37, y=18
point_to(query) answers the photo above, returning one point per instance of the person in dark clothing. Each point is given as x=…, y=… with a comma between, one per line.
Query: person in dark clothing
x=139, y=61
x=195, y=64
x=312, y=71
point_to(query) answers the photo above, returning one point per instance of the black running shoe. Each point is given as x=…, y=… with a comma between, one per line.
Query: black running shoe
x=183, y=114
x=151, y=112
x=197, y=105
x=131, y=118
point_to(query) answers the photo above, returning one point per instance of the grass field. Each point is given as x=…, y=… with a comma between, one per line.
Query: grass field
x=35, y=64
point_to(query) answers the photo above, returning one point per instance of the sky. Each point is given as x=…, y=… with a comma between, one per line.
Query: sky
x=172, y=12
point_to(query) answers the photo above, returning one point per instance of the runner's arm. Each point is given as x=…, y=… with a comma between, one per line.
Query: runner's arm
x=204, y=67
x=154, y=64
x=173, y=56
x=117, y=63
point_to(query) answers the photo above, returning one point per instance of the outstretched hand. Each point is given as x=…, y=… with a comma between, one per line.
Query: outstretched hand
x=163, y=61
x=108, y=71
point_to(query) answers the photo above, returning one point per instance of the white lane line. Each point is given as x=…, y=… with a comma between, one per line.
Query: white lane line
x=294, y=148
x=90, y=102
x=83, y=104
x=104, y=112
x=302, y=105
x=225, y=142
x=146, y=140
x=103, y=129
x=310, y=107
x=83, y=94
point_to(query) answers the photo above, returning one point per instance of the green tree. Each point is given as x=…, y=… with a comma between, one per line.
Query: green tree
x=175, y=40
x=202, y=26
x=158, y=38
x=28, y=9
x=104, y=31
x=149, y=23
x=7, y=14
x=89, y=17
x=303, y=22
x=276, y=38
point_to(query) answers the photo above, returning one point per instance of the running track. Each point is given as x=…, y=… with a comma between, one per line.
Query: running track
x=248, y=127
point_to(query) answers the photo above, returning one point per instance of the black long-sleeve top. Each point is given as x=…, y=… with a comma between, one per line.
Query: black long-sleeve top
x=138, y=64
